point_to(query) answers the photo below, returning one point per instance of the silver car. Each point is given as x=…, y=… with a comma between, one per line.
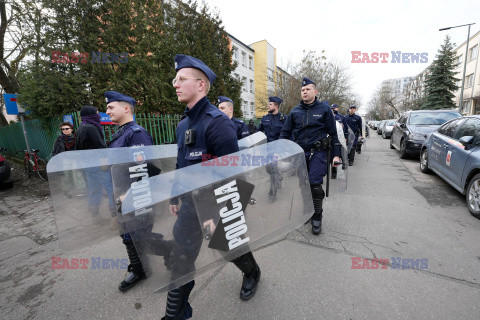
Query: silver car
x=387, y=128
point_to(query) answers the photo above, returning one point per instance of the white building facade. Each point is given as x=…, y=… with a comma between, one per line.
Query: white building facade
x=244, y=56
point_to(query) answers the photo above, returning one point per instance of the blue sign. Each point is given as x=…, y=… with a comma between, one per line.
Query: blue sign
x=68, y=118
x=12, y=105
x=105, y=118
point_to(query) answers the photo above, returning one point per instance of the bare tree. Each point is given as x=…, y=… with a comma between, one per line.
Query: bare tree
x=20, y=20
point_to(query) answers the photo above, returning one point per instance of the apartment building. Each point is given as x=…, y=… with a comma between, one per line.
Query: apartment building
x=245, y=72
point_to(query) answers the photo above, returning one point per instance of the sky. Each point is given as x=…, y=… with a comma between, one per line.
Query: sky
x=340, y=27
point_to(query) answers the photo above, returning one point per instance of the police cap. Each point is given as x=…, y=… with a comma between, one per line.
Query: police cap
x=306, y=82
x=184, y=61
x=277, y=100
x=111, y=96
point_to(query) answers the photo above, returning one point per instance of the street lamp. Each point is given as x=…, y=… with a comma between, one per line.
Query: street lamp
x=465, y=64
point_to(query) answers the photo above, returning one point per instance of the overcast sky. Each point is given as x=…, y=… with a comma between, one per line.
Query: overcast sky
x=340, y=27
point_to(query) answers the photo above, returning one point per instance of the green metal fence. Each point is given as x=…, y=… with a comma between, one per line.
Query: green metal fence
x=42, y=135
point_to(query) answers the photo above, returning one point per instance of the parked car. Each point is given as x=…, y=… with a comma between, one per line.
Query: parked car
x=6, y=179
x=380, y=126
x=453, y=153
x=414, y=127
x=387, y=128
x=375, y=125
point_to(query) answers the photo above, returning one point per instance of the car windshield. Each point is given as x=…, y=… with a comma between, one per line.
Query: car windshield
x=432, y=118
x=391, y=122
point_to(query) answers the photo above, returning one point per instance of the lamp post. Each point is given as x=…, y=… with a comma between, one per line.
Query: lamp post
x=465, y=64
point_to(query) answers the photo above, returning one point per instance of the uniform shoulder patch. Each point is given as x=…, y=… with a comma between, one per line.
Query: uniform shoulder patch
x=136, y=128
x=214, y=112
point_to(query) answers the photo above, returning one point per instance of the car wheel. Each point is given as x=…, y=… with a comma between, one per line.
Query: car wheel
x=473, y=196
x=391, y=145
x=383, y=135
x=403, y=149
x=424, y=161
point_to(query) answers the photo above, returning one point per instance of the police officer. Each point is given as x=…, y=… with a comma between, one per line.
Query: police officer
x=273, y=121
x=204, y=130
x=340, y=119
x=225, y=105
x=355, y=123
x=314, y=129
x=120, y=108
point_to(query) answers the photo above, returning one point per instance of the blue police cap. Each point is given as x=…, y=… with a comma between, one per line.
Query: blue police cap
x=277, y=100
x=307, y=81
x=111, y=96
x=184, y=61
x=334, y=106
x=224, y=99
x=351, y=107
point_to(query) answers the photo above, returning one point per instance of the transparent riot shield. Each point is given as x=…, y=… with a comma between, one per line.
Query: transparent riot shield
x=83, y=197
x=255, y=139
x=338, y=175
x=225, y=211
x=364, y=131
x=351, y=140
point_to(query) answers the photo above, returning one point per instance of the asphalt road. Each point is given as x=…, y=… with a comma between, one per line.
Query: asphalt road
x=390, y=211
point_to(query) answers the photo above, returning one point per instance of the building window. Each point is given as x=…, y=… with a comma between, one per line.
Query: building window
x=250, y=62
x=244, y=84
x=237, y=76
x=466, y=107
x=473, y=53
x=252, y=87
x=244, y=59
x=460, y=60
x=235, y=53
x=270, y=74
x=469, y=81
x=252, y=108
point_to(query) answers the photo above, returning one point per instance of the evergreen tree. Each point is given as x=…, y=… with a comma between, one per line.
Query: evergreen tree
x=441, y=82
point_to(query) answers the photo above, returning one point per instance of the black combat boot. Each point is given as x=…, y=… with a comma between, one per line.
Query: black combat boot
x=178, y=307
x=135, y=269
x=251, y=275
x=351, y=157
x=317, y=195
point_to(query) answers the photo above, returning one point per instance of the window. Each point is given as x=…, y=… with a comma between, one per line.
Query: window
x=237, y=76
x=448, y=129
x=244, y=59
x=471, y=127
x=469, y=81
x=244, y=84
x=270, y=74
x=235, y=53
x=460, y=60
x=432, y=118
x=252, y=108
x=252, y=87
x=473, y=53
x=250, y=62
x=466, y=107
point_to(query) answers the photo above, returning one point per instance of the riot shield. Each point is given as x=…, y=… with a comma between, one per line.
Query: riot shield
x=225, y=211
x=338, y=175
x=351, y=140
x=255, y=139
x=82, y=192
x=364, y=131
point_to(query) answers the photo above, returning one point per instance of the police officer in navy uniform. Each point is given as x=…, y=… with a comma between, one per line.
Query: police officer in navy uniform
x=273, y=121
x=271, y=124
x=355, y=123
x=120, y=108
x=204, y=131
x=225, y=105
x=340, y=119
x=313, y=127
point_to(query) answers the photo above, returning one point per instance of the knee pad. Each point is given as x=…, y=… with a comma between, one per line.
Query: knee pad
x=317, y=191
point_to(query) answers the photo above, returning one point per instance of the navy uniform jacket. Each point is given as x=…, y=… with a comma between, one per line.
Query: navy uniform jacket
x=130, y=134
x=272, y=125
x=355, y=123
x=309, y=123
x=240, y=128
x=214, y=134
x=341, y=119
